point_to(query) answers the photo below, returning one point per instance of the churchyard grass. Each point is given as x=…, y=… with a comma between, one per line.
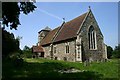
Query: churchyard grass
x=40, y=68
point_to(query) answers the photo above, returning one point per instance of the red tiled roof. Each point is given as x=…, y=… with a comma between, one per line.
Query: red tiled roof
x=70, y=28
x=49, y=36
x=37, y=49
x=67, y=31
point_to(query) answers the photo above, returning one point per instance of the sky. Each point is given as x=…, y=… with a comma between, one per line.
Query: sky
x=51, y=13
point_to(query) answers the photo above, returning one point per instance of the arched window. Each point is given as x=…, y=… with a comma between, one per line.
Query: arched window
x=55, y=49
x=92, y=38
x=67, y=47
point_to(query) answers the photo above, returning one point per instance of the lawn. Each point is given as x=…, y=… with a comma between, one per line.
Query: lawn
x=50, y=69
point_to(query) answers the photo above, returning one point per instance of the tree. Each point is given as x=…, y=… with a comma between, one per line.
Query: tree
x=26, y=48
x=116, y=52
x=109, y=51
x=12, y=10
x=9, y=43
x=27, y=52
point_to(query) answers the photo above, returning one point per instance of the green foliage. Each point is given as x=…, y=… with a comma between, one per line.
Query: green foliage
x=49, y=69
x=113, y=53
x=116, y=52
x=16, y=60
x=9, y=43
x=12, y=10
x=26, y=48
x=27, y=52
x=109, y=51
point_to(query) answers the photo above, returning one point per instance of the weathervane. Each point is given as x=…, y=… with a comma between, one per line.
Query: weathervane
x=63, y=19
x=89, y=7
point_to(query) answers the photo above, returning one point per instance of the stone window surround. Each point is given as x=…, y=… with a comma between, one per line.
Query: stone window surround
x=55, y=48
x=78, y=48
x=91, y=35
x=67, y=48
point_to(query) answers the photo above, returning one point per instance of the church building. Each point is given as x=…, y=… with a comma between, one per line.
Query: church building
x=79, y=39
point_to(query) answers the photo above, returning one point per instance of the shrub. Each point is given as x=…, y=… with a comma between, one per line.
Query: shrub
x=16, y=59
